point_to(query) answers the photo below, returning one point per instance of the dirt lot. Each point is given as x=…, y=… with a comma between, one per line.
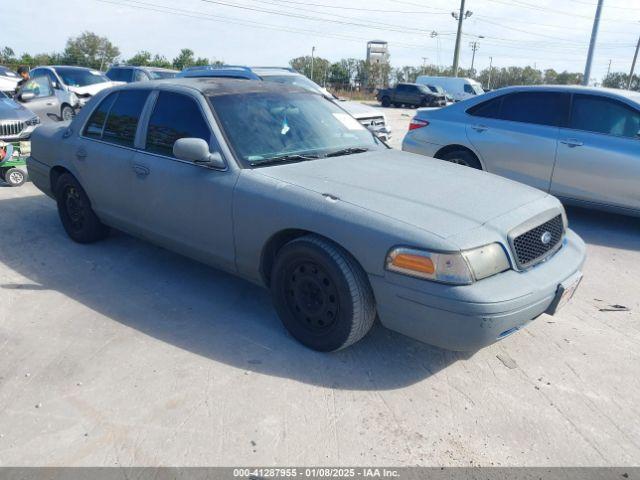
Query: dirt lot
x=121, y=353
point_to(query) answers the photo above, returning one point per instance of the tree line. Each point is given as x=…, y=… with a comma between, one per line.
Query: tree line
x=91, y=50
x=348, y=74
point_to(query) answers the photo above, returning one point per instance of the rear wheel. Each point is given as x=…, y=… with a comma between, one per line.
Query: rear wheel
x=15, y=177
x=77, y=217
x=322, y=295
x=462, y=157
x=386, y=101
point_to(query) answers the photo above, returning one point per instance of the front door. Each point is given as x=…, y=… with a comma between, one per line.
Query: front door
x=103, y=153
x=599, y=154
x=44, y=102
x=181, y=205
x=516, y=135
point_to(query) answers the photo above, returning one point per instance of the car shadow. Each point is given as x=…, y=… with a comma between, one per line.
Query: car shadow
x=604, y=228
x=195, y=307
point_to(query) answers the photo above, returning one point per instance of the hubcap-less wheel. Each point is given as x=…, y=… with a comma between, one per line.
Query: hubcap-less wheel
x=15, y=177
x=76, y=208
x=459, y=161
x=312, y=296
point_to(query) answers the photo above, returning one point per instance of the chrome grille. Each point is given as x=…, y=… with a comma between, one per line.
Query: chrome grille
x=11, y=128
x=539, y=243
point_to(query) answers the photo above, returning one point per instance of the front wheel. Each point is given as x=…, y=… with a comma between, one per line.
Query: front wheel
x=77, y=217
x=67, y=113
x=14, y=177
x=386, y=101
x=322, y=295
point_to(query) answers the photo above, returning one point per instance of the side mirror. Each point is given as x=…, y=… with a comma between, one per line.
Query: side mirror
x=196, y=150
x=26, y=96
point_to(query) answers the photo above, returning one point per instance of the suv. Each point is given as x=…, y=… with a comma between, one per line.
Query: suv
x=368, y=116
x=129, y=73
x=410, y=94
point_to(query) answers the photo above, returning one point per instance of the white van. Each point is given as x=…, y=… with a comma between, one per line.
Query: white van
x=456, y=87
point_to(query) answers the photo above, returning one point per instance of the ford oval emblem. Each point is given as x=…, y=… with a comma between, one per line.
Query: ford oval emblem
x=546, y=238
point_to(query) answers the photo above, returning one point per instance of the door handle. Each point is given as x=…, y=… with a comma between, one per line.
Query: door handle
x=141, y=170
x=49, y=103
x=572, y=142
x=81, y=154
x=479, y=128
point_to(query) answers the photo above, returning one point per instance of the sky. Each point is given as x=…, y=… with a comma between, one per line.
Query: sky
x=542, y=33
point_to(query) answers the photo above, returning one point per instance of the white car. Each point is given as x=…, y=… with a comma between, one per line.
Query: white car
x=84, y=82
x=8, y=80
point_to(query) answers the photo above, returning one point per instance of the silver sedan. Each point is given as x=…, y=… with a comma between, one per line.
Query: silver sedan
x=580, y=144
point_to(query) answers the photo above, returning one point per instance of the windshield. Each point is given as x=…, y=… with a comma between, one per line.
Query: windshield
x=80, y=77
x=160, y=74
x=265, y=126
x=296, y=80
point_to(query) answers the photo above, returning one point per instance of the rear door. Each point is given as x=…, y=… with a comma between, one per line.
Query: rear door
x=103, y=154
x=516, y=134
x=599, y=153
x=180, y=204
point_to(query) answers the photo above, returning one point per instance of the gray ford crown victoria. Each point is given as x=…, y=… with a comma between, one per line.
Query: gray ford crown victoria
x=283, y=187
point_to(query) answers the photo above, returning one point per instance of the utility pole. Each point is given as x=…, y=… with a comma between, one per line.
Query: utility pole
x=313, y=49
x=490, y=70
x=592, y=44
x=424, y=64
x=609, y=68
x=474, y=47
x=460, y=16
x=633, y=65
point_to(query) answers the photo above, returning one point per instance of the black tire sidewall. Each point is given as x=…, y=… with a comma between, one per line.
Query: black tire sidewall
x=468, y=157
x=335, y=336
x=385, y=101
x=93, y=230
x=66, y=107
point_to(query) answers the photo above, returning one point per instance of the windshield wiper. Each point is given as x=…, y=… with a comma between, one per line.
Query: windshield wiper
x=347, y=151
x=290, y=158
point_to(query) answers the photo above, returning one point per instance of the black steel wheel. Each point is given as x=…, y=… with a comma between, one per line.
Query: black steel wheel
x=321, y=293
x=77, y=217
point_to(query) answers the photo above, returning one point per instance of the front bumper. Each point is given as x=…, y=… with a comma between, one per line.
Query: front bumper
x=470, y=317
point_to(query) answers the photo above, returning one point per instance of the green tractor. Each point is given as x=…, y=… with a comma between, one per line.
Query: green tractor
x=13, y=166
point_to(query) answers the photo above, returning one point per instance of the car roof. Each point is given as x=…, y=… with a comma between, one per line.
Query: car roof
x=614, y=92
x=145, y=67
x=218, y=86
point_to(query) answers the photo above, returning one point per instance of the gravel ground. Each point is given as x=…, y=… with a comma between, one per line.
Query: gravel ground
x=121, y=353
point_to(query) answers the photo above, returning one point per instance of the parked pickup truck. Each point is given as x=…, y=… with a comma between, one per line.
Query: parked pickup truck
x=410, y=94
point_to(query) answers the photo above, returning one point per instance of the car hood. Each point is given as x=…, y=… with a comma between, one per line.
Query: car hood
x=12, y=110
x=359, y=110
x=93, y=89
x=433, y=195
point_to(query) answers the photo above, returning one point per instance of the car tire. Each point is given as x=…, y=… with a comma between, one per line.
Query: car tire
x=321, y=294
x=74, y=208
x=386, y=101
x=396, y=105
x=14, y=177
x=462, y=157
x=66, y=113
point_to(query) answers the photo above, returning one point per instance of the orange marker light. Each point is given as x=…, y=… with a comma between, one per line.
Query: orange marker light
x=415, y=263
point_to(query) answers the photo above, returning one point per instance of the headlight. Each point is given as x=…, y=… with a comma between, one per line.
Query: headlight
x=458, y=268
x=33, y=121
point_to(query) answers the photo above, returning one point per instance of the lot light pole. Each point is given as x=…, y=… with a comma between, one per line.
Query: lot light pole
x=313, y=49
x=633, y=65
x=592, y=44
x=490, y=71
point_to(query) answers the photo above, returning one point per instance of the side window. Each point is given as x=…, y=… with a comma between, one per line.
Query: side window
x=139, y=76
x=95, y=124
x=402, y=88
x=174, y=116
x=468, y=89
x=40, y=86
x=604, y=115
x=540, y=108
x=119, y=74
x=488, y=109
x=122, y=121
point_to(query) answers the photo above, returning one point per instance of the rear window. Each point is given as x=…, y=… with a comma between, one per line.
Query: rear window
x=540, y=108
x=116, y=118
x=120, y=74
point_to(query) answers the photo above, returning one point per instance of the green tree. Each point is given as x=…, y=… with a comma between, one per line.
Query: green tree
x=184, y=59
x=7, y=55
x=321, y=68
x=142, y=58
x=90, y=50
